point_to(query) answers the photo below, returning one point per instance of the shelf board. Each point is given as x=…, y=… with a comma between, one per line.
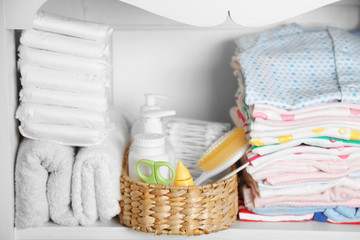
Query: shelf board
x=201, y=13
x=239, y=230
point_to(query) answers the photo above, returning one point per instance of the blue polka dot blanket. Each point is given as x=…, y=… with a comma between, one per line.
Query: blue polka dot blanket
x=292, y=67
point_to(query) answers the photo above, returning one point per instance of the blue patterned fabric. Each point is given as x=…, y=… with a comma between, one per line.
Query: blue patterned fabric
x=292, y=67
x=343, y=214
x=287, y=210
x=347, y=59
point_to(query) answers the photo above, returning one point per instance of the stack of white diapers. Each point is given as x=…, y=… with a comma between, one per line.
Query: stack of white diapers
x=65, y=76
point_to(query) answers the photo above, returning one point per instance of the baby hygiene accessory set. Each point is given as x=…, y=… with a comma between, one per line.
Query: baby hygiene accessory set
x=150, y=143
x=158, y=142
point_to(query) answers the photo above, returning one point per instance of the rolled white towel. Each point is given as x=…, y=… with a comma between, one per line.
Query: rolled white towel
x=63, y=134
x=42, y=182
x=73, y=27
x=95, y=102
x=62, y=62
x=65, y=44
x=50, y=114
x=35, y=76
x=96, y=177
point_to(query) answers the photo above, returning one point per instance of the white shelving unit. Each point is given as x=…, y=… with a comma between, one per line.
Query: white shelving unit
x=239, y=230
x=177, y=47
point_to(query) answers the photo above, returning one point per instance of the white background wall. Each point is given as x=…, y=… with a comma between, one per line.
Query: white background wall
x=151, y=54
x=188, y=64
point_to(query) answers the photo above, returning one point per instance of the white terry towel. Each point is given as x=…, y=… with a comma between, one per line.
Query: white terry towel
x=63, y=134
x=64, y=44
x=35, y=76
x=96, y=177
x=68, y=26
x=95, y=102
x=42, y=183
x=62, y=62
x=50, y=114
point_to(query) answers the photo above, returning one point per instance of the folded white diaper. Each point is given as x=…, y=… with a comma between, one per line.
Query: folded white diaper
x=50, y=114
x=63, y=134
x=82, y=29
x=65, y=67
x=34, y=76
x=62, y=62
x=64, y=44
x=94, y=102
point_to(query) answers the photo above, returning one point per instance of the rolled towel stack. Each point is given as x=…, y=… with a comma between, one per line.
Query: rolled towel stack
x=96, y=176
x=43, y=183
x=65, y=67
x=54, y=182
x=298, y=93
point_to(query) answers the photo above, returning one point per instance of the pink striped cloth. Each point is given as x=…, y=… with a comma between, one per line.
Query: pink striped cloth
x=337, y=196
x=268, y=112
x=239, y=119
x=308, y=167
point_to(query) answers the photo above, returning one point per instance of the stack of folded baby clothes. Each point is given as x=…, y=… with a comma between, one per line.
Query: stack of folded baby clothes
x=65, y=75
x=298, y=92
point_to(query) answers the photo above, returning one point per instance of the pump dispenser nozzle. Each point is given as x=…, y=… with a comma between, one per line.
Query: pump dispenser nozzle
x=150, y=105
x=150, y=102
x=152, y=120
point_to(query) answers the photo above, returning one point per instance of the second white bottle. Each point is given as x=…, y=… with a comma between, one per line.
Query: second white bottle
x=148, y=146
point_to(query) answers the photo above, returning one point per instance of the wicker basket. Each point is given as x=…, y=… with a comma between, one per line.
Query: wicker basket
x=173, y=210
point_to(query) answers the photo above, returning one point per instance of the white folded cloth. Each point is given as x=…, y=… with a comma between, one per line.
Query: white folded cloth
x=67, y=26
x=42, y=182
x=63, y=134
x=96, y=176
x=62, y=62
x=98, y=102
x=50, y=114
x=65, y=44
x=39, y=77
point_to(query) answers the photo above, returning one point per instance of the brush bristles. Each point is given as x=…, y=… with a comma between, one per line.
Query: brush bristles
x=223, y=150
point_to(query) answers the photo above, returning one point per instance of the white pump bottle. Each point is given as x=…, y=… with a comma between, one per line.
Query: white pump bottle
x=152, y=123
x=150, y=104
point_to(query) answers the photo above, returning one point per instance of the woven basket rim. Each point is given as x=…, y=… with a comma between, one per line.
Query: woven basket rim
x=157, y=186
